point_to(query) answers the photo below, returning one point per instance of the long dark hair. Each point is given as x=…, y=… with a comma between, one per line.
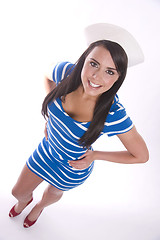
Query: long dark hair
x=72, y=81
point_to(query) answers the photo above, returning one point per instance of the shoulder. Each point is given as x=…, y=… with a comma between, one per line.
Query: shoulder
x=116, y=110
x=117, y=120
x=60, y=70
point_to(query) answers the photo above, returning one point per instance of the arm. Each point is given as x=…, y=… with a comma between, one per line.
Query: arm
x=136, y=152
x=53, y=76
x=136, y=149
x=49, y=84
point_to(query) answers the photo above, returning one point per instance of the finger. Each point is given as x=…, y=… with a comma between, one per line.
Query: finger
x=82, y=156
x=74, y=164
x=71, y=163
x=46, y=134
x=77, y=164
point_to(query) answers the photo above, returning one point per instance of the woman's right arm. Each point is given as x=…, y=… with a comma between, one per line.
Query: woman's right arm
x=49, y=84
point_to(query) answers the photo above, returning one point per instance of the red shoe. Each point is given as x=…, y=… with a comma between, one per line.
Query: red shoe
x=27, y=223
x=13, y=213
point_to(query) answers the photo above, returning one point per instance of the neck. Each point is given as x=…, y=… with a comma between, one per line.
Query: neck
x=80, y=91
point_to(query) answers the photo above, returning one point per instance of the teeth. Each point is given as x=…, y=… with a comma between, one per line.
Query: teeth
x=94, y=85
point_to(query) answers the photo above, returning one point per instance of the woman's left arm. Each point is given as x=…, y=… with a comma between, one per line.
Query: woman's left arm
x=136, y=152
x=136, y=149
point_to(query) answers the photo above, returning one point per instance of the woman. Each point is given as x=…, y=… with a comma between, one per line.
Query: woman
x=81, y=105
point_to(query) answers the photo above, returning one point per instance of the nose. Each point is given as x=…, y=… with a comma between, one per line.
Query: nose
x=97, y=75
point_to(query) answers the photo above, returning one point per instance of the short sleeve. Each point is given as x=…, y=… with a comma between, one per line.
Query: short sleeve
x=60, y=70
x=117, y=121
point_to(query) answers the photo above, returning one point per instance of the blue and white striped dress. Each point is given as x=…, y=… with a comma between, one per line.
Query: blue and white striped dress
x=50, y=160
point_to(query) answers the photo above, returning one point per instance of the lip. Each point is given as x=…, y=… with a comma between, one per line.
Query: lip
x=95, y=88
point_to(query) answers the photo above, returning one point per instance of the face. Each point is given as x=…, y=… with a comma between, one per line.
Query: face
x=98, y=73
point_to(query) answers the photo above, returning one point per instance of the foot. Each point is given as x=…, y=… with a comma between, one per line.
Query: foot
x=32, y=216
x=18, y=208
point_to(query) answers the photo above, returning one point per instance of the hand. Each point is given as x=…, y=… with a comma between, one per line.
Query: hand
x=45, y=132
x=84, y=161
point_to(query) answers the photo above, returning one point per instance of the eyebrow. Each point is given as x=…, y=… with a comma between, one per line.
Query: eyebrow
x=99, y=64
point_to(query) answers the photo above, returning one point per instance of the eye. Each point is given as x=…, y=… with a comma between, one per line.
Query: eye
x=93, y=64
x=110, y=72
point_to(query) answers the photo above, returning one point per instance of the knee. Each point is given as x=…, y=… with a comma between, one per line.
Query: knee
x=19, y=193
x=16, y=192
x=55, y=192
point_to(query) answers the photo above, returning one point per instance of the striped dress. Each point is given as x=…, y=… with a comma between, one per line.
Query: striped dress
x=50, y=160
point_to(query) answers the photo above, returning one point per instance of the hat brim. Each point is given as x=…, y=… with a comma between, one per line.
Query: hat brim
x=105, y=31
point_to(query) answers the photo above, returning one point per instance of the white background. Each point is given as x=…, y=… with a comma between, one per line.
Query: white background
x=118, y=201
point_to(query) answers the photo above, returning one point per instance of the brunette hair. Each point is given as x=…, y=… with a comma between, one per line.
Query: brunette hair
x=73, y=80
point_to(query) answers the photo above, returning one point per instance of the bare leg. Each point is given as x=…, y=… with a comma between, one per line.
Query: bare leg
x=24, y=187
x=50, y=196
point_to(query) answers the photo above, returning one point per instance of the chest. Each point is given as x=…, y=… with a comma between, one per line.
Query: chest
x=77, y=108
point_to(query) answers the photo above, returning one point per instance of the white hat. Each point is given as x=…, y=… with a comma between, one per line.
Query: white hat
x=102, y=31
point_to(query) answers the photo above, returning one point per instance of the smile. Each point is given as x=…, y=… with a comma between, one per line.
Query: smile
x=93, y=85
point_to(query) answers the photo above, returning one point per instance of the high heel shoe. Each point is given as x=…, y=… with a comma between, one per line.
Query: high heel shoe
x=13, y=213
x=27, y=223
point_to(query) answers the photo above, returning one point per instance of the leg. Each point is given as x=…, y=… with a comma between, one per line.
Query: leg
x=24, y=187
x=51, y=195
